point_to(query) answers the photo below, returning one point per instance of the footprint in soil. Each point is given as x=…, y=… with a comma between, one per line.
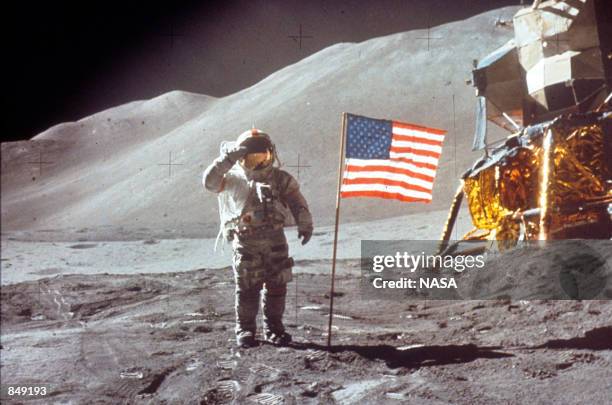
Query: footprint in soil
x=224, y=391
x=266, y=398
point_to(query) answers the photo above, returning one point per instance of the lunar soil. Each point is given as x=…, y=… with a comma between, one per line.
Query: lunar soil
x=167, y=338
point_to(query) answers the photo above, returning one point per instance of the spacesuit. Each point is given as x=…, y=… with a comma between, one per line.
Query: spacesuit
x=256, y=201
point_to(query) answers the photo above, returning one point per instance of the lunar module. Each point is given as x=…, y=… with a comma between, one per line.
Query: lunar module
x=549, y=86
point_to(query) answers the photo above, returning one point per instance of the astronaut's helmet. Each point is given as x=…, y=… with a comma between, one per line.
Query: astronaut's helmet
x=260, y=155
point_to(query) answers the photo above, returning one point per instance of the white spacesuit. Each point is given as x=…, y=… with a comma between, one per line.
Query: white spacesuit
x=255, y=199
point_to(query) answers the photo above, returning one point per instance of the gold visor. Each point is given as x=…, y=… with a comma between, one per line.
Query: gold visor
x=256, y=161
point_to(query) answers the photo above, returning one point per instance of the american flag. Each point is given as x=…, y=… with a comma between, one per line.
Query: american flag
x=390, y=159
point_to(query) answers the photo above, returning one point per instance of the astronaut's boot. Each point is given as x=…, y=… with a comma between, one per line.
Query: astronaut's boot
x=247, y=305
x=273, y=309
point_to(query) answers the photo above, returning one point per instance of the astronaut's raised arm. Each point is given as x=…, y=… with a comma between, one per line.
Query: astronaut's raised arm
x=215, y=173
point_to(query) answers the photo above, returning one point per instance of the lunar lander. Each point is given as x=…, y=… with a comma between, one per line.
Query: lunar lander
x=549, y=86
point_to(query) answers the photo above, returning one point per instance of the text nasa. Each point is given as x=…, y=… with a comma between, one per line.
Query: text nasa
x=413, y=262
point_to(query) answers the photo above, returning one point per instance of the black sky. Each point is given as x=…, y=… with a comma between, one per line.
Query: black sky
x=69, y=60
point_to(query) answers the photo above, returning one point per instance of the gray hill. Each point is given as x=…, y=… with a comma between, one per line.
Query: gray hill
x=110, y=169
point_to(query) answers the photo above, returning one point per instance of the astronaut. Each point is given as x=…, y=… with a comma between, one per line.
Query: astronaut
x=256, y=201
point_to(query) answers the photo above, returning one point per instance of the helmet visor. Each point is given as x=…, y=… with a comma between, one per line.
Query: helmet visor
x=257, y=161
x=257, y=144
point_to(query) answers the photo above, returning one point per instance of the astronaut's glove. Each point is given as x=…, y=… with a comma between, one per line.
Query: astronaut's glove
x=305, y=235
x=236, y=152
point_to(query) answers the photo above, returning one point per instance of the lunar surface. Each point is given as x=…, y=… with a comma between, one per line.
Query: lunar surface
x=112, y=293
x=167, y=338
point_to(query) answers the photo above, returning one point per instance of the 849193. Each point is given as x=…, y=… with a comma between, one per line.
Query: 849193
x=25, y=390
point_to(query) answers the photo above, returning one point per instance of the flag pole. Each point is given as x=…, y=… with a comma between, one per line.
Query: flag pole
x=333, y=272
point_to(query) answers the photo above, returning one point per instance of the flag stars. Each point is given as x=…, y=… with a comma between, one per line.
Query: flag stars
x=368, y=138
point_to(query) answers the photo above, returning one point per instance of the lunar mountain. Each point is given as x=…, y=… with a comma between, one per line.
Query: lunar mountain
x=139, y=165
